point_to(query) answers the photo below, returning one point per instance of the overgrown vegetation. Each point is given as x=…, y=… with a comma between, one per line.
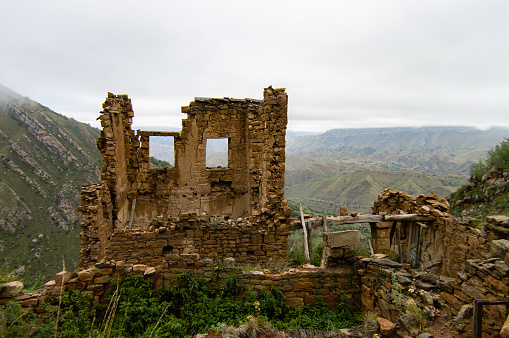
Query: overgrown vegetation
x=157, y=163
x=186, y=309
x=481, y=200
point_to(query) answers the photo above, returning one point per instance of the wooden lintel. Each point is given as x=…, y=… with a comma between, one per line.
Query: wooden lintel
x=157, y=133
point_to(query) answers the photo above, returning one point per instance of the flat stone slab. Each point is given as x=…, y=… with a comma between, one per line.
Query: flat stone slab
x=338, y=239
x=10, y=289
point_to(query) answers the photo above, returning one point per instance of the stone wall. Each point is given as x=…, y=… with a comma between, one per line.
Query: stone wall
x=390, y=288
x=447, y=239
x=235, y=211
x=299, y=286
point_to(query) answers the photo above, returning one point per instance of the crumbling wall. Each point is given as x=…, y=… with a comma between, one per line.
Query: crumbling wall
x=235, y=211
x=299, y=286
x=447, y=239
x=390, y=289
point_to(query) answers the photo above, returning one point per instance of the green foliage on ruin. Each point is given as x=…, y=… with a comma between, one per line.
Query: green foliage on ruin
x=157, y=163
x=190, y=307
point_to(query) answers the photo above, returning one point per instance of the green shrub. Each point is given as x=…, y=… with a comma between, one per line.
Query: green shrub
x=186, y=309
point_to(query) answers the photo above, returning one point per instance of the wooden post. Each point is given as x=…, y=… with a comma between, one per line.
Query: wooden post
x=419, y=247
x=477, y=319
x=478, y=305
x=325, y=229
x=310, y=239
x=398, y=240
x=304, y=229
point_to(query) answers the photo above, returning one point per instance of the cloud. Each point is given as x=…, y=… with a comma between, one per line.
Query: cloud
x=344, y=63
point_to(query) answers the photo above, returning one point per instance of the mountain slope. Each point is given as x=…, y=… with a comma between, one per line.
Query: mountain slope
x=351, y=167
x=436, y=150
x=45, y=157
x=359, y=189
x=487, y=191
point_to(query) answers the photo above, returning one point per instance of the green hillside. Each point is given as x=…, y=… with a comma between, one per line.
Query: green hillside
x=45, y=157
x=487, y=191
x=436, y=150
x=359, y=189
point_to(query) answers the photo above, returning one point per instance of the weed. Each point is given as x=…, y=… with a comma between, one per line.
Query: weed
x=188, y=308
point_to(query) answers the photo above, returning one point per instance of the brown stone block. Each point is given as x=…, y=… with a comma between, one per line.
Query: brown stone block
x=101, y=280
x=310, y=300
x=30, y=302
x=453, y=301
x=148, y=235
x=95, y=288
x=62, y=277
x=86, y=275
x=462, y=296
x=498, y=285
x=303, y=285
x=295, y=303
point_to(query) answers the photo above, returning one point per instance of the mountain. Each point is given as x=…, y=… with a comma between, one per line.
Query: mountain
x=350, y=167
x=436, y=150
x=358, y=190
x=45, y=157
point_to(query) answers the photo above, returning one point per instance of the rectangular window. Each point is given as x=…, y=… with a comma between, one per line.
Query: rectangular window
x=162, y=151
x=217, y=153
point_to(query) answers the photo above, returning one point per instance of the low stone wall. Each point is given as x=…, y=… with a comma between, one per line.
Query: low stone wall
x=389, y=288
x=300, y=286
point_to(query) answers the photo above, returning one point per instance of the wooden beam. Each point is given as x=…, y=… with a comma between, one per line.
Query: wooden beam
x=304, y=229
x=409, y=218
x=157, y=133
x=339, y=220
x=325, y=229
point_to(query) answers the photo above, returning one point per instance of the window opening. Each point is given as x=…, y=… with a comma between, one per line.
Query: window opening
x=162, y=151
x=217, y=153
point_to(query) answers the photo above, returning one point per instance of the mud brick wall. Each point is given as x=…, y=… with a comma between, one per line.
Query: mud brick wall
x=447, y=239
x=247, y=196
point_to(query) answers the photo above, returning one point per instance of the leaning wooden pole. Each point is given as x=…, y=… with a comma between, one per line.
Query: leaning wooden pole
x=325, y=229
x=304, y=229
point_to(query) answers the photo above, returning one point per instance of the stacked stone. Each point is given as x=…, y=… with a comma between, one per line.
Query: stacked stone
x=448, y=239
x=497, y=227
x=136, y=196
x=274, y=119
x=391, y=201
x=299, y=286
x=96, y=226
x=387, y=287
x=339, y=248
x=246, y=242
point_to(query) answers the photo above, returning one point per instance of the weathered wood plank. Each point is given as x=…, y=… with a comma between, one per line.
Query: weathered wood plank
x=409, y=218
x=304, y=229
x=339, y=220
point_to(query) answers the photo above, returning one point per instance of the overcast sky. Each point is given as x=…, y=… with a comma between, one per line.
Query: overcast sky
x=344, y=63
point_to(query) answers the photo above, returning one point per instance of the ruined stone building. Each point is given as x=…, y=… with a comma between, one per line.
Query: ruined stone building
x=139, y=214
x=210, y=221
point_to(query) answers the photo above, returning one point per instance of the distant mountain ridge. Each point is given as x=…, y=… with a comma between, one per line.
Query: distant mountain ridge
x=350, y=167
x=45, y=157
